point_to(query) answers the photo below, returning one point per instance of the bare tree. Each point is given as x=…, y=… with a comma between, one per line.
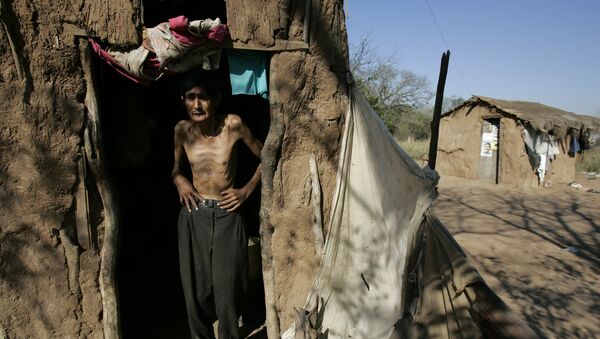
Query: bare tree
x=392, y=92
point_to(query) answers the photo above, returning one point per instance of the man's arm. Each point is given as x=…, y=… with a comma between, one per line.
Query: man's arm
x=187, y=192
x=233, y=198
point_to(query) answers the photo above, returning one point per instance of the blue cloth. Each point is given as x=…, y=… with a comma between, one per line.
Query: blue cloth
x=248, y=72
x=574, y=146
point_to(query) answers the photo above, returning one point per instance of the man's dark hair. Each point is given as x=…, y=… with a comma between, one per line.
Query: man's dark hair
x=208, y=81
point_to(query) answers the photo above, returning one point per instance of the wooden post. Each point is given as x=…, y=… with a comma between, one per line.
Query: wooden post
x=306, y=24
x=437, y=110
x=94, y=148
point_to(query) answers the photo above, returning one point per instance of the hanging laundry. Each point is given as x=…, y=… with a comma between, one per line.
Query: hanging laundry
x=541, y=170
x=168, y=48
x=248, y=72
x=534, y=158
x=553, y=148
x=574, y=149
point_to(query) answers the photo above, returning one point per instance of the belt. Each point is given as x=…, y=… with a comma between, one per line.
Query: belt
x=210, y=203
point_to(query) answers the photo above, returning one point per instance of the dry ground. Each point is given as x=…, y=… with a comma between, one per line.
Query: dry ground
x=539, y=249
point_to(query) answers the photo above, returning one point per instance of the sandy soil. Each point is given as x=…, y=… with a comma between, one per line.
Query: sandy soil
x=538, y=249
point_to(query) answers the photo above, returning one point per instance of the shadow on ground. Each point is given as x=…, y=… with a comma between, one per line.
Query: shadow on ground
x=539, y=249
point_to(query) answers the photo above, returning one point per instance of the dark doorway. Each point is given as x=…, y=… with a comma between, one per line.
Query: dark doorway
x=157, y=11
x=137, y=126
x=488, y=155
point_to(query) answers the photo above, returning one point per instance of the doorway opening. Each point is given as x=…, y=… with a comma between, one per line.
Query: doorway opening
x=488, y=155
x=137, y=127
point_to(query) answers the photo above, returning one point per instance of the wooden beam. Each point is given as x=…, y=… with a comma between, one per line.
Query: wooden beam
x=279, y=46
x=437, y=110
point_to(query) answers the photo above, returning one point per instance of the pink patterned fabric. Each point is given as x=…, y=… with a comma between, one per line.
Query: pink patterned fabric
x=169, y=48
x=218, y=33
x=179, y=30
x=114, y=63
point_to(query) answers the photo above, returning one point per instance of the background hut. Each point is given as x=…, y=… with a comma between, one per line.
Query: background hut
x=500, y=141
x=84, y=153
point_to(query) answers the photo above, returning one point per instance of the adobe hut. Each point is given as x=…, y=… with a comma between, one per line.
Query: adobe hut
x=512, y=142
x=87, y=208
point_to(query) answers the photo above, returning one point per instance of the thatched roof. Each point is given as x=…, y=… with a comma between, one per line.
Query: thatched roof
x=539, y=116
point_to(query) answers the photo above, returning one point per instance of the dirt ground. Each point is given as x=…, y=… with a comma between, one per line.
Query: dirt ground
x=538, y=249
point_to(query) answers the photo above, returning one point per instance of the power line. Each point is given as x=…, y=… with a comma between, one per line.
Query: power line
x=448, y=47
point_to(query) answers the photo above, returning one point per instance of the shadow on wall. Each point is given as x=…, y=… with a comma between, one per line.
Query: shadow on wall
x=37, y=174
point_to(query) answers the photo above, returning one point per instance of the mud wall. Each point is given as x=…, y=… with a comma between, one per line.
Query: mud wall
x=308, y=100
x=459, y=147
x=515, y=168
x=459, y=143
x=514, y=164
x=48, y=284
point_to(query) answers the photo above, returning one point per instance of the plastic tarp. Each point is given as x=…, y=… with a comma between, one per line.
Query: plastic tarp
x=389, y=268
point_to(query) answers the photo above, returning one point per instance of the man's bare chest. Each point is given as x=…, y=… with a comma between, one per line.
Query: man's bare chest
x=216, y=150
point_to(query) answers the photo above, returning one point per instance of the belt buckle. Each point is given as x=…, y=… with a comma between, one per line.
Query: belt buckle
x=210, y=203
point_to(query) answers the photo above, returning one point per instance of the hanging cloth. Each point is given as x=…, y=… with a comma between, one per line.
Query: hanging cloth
x=534, y=158
x=380, y=203
x=574, y=149
x=168, y=48
x=248, y=72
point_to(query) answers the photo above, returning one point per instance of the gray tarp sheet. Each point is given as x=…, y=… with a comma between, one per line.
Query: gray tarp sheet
x=380, y=231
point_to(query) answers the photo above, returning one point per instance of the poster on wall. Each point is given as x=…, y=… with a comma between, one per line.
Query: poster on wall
x=489, y=139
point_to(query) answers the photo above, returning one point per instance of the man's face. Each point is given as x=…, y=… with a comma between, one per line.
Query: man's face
x=199, y=105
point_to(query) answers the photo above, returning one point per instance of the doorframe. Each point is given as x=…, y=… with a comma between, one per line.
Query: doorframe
x=495, y=120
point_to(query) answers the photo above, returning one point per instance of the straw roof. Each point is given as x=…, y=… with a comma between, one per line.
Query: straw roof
x=539, y=116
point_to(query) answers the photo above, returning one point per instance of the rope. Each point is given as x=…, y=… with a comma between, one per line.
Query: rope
x=448, y=47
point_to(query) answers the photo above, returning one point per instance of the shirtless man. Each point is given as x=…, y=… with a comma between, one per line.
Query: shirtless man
x=212, y=235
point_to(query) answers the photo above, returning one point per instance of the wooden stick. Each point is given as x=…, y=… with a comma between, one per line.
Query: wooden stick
x=437, y=110
x=82, y=207
x=72, y=256
x=306, y=28
x=11, y=42
x=94, y=147
x=317, y=206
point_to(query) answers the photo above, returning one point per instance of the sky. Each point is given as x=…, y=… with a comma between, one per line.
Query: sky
x=542, y=51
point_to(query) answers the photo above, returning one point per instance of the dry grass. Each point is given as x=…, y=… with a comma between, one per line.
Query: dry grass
x=417, y=149
x=589, y=161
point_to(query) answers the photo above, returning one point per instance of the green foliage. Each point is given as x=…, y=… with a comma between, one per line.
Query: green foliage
x=414, y=124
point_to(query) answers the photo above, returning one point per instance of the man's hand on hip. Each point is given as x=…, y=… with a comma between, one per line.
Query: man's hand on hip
x=188, y=195
x=233, y=198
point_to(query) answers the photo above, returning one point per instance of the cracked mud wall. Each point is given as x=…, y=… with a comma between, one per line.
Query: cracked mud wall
x=309, y=96
x=48, y=285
